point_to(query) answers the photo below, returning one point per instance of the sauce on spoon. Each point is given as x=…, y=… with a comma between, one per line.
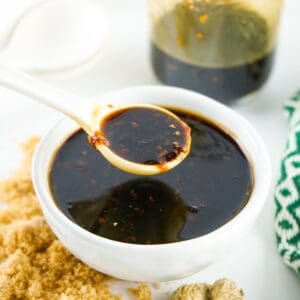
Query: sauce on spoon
x=143, y=137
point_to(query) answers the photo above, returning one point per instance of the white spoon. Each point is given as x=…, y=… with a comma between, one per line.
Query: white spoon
x=157, y=132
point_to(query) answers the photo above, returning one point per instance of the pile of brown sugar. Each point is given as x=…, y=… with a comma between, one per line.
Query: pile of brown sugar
x=34, y=264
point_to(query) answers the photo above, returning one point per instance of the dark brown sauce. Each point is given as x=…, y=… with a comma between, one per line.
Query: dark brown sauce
x=144, y=135
x=204, y=192
x=222, y=84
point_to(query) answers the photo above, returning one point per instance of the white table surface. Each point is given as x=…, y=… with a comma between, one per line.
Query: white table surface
x=255, y=265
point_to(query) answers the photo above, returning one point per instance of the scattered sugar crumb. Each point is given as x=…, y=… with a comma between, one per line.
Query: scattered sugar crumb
x=156, y=285
x=142, y=292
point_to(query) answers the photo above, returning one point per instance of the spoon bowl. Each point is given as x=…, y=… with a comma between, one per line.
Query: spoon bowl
x=140, y=168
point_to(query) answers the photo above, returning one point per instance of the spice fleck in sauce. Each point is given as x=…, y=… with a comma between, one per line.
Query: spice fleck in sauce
x=201, y=194
x=143, y=135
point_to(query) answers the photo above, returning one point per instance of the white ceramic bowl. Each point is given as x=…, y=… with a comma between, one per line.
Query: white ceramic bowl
x=165, y=262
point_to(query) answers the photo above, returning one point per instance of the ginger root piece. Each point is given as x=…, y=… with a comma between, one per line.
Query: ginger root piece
x=225, y=289
x=192, y=292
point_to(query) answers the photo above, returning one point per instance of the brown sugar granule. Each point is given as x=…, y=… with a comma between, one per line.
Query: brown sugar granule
x=34, y=264
x=142, y=292
x=156, y=285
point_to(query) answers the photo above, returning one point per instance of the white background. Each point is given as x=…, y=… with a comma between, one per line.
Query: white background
x=255, y=265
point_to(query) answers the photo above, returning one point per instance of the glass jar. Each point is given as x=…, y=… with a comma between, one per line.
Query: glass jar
x=221, y=48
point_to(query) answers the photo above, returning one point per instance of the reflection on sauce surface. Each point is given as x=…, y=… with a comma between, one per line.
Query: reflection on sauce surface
x=201, y=194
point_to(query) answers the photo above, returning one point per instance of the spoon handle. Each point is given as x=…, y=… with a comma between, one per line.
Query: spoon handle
x=71, y=105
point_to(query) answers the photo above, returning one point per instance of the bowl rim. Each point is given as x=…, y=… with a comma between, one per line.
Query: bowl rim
x=249, y=211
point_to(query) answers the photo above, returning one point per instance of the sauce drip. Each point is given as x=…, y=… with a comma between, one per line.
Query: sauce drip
x=201, y=194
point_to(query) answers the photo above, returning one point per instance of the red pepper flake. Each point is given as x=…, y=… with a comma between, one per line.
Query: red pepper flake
x=133, y=193
x=98, y=139
x=80, y=164
x=131, y=239
x=151, y=199
x=101, y=221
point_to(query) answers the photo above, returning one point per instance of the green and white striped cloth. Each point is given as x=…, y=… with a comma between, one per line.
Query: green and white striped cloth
x=287, y=193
